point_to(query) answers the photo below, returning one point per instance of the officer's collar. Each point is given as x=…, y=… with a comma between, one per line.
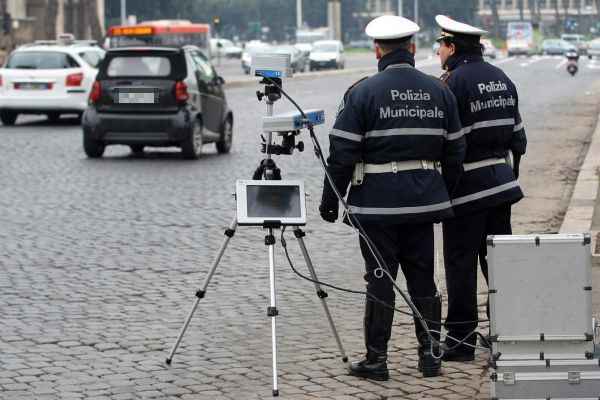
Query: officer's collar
x=398, y=56
x=456, y=61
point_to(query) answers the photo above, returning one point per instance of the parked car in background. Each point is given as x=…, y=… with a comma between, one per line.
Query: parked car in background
x=224, y=48
x=157, y=96
x=576, y=40
x=299, y=61
x=253, y=47
x=327, y=54
x=556, y=47
x=489, y=50
x=594, y=49
x=48, y=77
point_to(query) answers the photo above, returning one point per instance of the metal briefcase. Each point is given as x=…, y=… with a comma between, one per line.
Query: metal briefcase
x=546, y=379
x=540, y=296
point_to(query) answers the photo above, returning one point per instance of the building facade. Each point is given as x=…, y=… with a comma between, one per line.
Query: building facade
x=545, y=10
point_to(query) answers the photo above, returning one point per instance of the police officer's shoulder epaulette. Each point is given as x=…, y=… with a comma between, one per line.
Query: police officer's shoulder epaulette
x=345, y=98
x=353, y=86
x=445, y=76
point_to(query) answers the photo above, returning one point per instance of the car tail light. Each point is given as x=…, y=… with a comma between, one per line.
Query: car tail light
x=181, y=92
x=74, y=79
x=0, y=80
x=95, y=93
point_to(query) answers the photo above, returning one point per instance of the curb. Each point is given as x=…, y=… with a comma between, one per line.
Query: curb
x=305, y=76
x=578, y=218
x=251, y=81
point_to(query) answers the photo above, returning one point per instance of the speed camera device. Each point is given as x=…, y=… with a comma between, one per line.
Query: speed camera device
x=268, y=203
x=293, y=121
x=272, y=65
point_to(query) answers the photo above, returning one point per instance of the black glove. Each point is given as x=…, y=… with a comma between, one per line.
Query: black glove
x=329, y=212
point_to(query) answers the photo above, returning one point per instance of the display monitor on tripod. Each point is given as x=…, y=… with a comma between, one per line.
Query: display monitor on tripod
x=269, y=202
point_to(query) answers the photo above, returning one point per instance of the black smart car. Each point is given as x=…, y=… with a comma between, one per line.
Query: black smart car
x=156, y=96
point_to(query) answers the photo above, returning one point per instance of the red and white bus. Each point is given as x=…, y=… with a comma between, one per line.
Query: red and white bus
x=174, y=33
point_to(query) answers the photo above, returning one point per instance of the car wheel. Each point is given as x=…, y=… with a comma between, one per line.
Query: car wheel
x=53, y=117
x=93, y=148
x=191, y=147
x=224, y=145
x=137, y=149
x=8, y=118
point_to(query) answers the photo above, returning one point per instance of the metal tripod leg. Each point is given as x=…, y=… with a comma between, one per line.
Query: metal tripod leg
x=272, y=309
x=299, y=233
x=200, y=293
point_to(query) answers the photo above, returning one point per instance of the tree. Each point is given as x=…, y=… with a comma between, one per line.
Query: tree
x=495, y=17
x=557, y=17
x=520, y=5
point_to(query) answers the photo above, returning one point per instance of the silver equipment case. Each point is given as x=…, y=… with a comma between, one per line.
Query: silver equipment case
x=540, y=289
x=541, y=318
x=546, y=379
x=272, y=65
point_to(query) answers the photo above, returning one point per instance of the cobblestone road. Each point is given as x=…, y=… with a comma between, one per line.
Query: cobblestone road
x=100, y=260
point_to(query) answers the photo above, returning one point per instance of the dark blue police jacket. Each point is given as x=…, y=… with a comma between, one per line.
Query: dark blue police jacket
x=399, y=114
x=489, y=111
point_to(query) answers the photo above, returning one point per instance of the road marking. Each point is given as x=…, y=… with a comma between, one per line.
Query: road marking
x=508, y=59
x=562, y=64
x=428, y=63
x=532, y=61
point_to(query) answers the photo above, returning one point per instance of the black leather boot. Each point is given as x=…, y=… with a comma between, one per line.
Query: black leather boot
x=377, y=329
x=431, y=309
x=459, y=353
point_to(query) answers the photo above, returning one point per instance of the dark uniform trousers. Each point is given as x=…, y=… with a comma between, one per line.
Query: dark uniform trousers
x=410, y=246
x=465, y=243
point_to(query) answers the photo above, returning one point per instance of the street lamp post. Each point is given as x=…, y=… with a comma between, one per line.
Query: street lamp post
x=123, y=12
x=299, y=14
x=400, y=8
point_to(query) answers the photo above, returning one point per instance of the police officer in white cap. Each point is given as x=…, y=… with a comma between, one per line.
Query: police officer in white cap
x=489, y=112
x=392, y=132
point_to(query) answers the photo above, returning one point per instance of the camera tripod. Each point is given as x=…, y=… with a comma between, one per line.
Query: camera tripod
x=267, y=170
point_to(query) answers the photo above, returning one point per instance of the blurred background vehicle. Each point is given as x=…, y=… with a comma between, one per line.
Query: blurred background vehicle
x=174, y=33
x=489, y=50
x=556, y=47
x=157, y=96
x=327, y=54
x=594, y=49
x=519, y=38
x=253, y=47
x=576, y=40
x=224, y=48
x=48, y=77
x=299, y=61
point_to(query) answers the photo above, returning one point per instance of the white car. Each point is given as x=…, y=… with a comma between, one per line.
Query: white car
x=594, y=49
x=252, y=48
x=48, y=77
x=327, y=54
x=224, y=48
x=489, y=50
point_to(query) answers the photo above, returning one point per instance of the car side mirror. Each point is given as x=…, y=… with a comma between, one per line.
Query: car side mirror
x=219, y=79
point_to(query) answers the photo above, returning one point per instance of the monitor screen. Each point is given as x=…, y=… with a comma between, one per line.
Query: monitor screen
x=275, y=201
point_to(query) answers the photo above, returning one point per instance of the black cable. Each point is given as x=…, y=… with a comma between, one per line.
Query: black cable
x=459, y=342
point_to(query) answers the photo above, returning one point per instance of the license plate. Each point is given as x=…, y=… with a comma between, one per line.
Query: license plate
x=136, y=98
x=33, y=86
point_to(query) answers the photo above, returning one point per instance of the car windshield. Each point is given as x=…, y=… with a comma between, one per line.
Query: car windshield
x=258, y=49
x=151, y=66
x=329, y=48
x=41, y=60
x=92, y=58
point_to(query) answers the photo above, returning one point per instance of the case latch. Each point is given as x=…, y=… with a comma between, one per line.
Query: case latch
x=574, y=377
x=508, y=378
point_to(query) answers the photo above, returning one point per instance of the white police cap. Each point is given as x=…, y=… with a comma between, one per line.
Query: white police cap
x=452, y=28
x=388, y=27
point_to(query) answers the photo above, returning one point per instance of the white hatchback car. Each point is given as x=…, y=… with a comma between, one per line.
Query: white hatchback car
x=327, y=54
x=48, y=77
